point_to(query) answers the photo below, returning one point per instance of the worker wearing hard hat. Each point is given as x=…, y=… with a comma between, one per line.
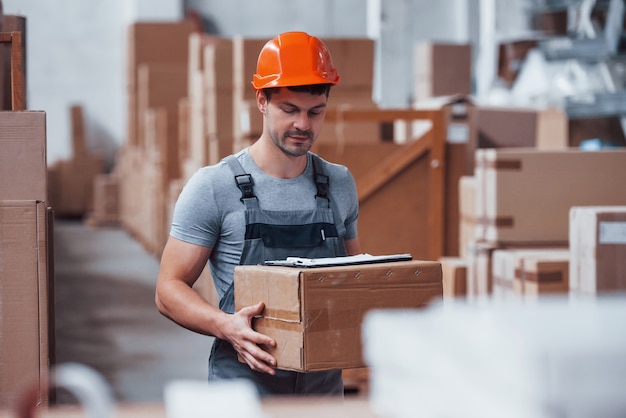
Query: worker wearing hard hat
x=269, y=201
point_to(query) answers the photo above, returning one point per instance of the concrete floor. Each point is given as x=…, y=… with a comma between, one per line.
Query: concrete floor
x=106, y=318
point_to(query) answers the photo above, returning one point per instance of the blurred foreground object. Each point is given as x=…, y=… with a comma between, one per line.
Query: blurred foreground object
x=85, y=384
x=199, y=399
x=556, y=357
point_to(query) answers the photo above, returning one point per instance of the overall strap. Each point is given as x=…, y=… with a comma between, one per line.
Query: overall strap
x=243, y=180
x=322, y=182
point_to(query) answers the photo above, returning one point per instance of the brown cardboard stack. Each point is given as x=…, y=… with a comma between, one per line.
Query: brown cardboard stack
x=71, y=181
x=500, y=127
x=157, y=80
x=454, y=277
x=159, y=43
x=315, y=314
x=544, y=274
x=210, y=94
x=598, y=249
x=25, y=257
x=245, y=55
x=523, y=197
x=354, y=60
x=218, y=75
x=442, y=69
x=467, y=213
x=23, y=136
x=529, y=272
x=105, y=201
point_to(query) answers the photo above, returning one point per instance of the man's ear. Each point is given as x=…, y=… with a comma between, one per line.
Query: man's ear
x=261, y=101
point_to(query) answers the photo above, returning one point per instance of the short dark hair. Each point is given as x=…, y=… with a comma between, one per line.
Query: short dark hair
x=317, y=89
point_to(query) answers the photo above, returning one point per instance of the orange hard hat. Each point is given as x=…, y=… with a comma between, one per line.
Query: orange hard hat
x=294, y=59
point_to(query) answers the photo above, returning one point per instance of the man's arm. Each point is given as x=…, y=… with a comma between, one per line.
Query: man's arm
x=353, y=246
x=181, y=265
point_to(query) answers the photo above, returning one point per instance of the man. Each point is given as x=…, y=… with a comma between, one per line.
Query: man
x=272, y=200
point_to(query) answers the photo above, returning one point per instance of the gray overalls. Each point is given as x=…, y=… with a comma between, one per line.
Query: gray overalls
x=276, y=235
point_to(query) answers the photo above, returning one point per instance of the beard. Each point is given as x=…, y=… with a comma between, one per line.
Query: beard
x=297, y=149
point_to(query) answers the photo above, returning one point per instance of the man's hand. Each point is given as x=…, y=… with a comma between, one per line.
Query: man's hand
x=246, y=341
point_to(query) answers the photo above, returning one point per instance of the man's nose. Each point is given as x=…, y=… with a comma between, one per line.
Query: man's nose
x=302, y=121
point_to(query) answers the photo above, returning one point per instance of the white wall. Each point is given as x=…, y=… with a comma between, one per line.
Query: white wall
x=75, y=54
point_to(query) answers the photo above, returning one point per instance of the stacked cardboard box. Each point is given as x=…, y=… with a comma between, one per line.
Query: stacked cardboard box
x=598, y=249
x=158, y=81
x=210, y=94
x=26, y=308
x=442, y=69
x=454, y=277
x=536, y=128
x=523, y=198
x=529, y=272
x=71, y=180
x=105, y=201
x=151, y=43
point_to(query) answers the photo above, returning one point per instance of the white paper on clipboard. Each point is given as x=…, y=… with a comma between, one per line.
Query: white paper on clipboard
x=338, y=261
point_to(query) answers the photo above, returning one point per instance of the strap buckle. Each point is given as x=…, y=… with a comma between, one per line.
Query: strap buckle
x=245, y=183
x=322, y=183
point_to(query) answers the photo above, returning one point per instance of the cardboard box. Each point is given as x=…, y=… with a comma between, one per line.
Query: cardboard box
x=454, y=277
x=315, y=314
x=597, y=249
x=524, y=195
x=161, y=86
x=467, y=213
x=479, y=278
x=442, y=69
x=521, y=271
x=534, y=128
x=544, y=274
x=71, y=184
x=23, y=169
x=105, y=201
x=24, y=309
x=152, y=43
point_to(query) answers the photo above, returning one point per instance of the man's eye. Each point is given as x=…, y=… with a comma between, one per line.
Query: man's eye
x=289, y=110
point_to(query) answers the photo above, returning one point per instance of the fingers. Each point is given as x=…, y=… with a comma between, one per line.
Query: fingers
x=249, y=344
x=250, y=312
x=262, y=363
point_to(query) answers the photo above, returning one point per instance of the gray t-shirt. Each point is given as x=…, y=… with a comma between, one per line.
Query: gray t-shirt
x=209, y=211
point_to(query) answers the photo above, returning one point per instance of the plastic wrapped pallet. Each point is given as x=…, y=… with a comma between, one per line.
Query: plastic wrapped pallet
x=554, y=358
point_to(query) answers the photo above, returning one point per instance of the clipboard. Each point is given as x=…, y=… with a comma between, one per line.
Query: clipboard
x=338, y=261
